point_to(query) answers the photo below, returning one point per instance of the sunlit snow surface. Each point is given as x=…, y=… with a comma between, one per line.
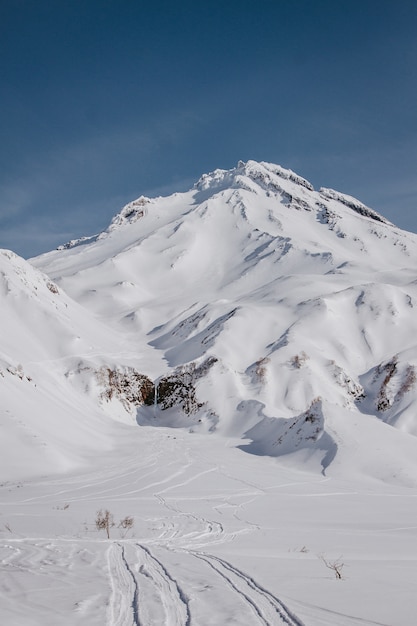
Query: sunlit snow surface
x=303, y=451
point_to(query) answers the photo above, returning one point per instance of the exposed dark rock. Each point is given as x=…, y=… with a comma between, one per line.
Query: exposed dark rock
x=384, y=402
x=127, y=385
x=178, y=389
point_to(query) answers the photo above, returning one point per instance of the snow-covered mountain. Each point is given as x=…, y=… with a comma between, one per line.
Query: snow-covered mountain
x=231, y=372
x=264, y=308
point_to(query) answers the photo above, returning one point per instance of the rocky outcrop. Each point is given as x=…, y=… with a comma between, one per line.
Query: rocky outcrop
x=178, y=389
x=127, y=385
x=353, y=204
x=134, y=389
x=397, y=380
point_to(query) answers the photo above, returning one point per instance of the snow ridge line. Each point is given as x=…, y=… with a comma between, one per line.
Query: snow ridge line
x=264, y=604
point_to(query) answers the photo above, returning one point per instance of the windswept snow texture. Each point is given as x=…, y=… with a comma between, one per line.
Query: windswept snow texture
x=234, y=370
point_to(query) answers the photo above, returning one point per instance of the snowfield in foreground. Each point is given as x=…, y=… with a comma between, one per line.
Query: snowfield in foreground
x=208, y=414
x=218, y=537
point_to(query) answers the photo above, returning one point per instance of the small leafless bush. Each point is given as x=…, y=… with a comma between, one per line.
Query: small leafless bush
x=126, y=524
x=104, y=521
x=336, y=566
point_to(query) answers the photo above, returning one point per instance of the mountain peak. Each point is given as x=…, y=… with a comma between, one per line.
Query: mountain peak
x=262, y=173
x=268, y=171
x=280, y=186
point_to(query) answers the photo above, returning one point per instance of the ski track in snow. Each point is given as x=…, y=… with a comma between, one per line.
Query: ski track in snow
x=144, y=592
x=261, y=604
x=203, y=531
x=133, y=568
x=123, y=607
x=266, y=608
x=140, y=589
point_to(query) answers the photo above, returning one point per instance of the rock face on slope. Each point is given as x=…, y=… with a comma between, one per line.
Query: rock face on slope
x=127, y=385
x=248, y=297
x=179, y=388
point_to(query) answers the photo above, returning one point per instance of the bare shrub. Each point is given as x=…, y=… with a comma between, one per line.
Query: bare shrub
x=336, y=566
x=125, y=525
x=104, y=521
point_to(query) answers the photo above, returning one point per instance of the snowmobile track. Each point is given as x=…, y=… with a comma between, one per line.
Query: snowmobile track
x=123, y=607
x=266, y=607
x=143, y=591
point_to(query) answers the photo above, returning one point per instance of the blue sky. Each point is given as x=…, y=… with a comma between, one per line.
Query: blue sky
x=102, y=101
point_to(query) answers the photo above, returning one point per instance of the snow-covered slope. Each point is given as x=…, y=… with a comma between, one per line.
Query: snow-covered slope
x=228, y=376
x=301, y=301
x=57, y=362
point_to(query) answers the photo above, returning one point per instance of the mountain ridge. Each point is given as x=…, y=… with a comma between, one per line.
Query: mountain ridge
x=294, y=296
x=262, y=173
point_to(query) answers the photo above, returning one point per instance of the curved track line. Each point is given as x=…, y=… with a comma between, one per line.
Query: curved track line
x=128, y=607
x=174, y=601
x=265, y=606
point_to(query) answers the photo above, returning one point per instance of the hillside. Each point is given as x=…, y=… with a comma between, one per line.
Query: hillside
x=291, y=300
x=228, y=377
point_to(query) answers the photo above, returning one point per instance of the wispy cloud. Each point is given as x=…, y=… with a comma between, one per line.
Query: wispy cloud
x=76, y=190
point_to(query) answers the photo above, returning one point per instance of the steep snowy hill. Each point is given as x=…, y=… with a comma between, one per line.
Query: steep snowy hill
x=266, y=309
x=59, y=368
